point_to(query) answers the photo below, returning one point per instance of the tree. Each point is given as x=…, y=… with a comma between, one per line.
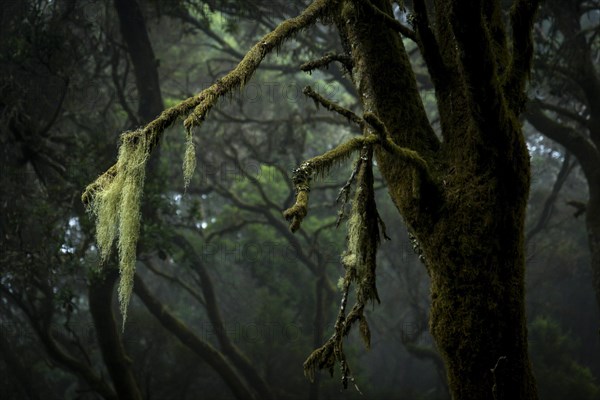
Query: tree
x=565, y=106
x=462, y=195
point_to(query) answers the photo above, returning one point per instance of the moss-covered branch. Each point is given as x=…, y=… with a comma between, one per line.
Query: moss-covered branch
x=242, y=73
x=331, y=106
x=429, y=46
x=478, y=62
x=411, y=157
x=359, y=263
x=195, y=343
x=114, y=198
x=327, y=59
x=319, y=165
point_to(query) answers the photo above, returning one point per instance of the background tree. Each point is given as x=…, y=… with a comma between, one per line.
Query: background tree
x=221, y=250
x=481, y=170
x=566, y=99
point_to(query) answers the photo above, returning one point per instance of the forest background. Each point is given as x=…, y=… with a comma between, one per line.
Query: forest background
x=227, y=301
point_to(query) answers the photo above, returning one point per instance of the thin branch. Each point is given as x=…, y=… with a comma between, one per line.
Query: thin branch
x=206, y=99
x=391, y=21
x=150, y=265
x=319, y=164
x=331, y=106
x=575, y=142
x=194, y=342
x=546, y=213
x=242, y=73
x=327, y=59
x=566, y=113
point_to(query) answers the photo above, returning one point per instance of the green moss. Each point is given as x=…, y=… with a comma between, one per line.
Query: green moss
x=116, y=205
x=189, y=159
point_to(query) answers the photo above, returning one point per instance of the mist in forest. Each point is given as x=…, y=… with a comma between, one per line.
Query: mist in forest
x=223, y=300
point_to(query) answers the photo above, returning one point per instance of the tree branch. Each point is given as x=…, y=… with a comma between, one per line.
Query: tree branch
x=206, y=99
x=331, y=106
x=212, y=308
x=242, y=73
x=391, y=21
x=327, y=59
x=576, y=143
x=522, y=15
x=429, y=46
x=203, y=349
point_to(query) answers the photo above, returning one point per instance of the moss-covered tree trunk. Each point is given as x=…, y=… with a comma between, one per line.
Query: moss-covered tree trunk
x=469, y=217
x=462, y=195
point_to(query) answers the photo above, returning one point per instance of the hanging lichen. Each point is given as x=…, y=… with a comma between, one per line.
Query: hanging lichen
x=114, y=198
x=116, y=206
x=359, y=261
x=189, y=159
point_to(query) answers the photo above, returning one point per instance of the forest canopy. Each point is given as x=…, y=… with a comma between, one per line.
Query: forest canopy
x=231, y=197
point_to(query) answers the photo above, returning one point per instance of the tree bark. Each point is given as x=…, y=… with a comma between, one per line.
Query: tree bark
x=113, y=353
x=469, y=219
x=135, y=36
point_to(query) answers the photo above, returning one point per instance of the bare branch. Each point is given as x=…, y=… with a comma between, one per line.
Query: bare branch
x=391, y=22
x=327, y=59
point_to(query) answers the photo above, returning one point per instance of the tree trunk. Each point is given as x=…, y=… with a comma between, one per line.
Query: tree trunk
x=135, y=36
x=113, y=353
x=469, y=220
x=592, y=220
x=229, y=349
x=203, y=349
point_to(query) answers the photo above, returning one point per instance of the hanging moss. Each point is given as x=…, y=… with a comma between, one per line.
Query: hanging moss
x=116, y=206
x=114, y=198
x=359, y=261
x=189, y=159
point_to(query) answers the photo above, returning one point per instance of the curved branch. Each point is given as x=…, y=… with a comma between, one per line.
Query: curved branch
x=546, y=213
x=203, y=349
x=331, y=106
x=212, y=308
x=581, y=147
x=319, y=164
x=242, y=73
x=206, y=99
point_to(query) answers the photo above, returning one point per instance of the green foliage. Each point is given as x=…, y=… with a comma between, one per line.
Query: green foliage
x=558, y=375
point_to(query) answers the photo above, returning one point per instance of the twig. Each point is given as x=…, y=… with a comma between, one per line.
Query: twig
x=331, y=106
x=327, y=59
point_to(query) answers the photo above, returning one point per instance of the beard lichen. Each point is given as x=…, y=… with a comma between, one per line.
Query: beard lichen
x=189, y=159
x=359, y=262
x=116, y=207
